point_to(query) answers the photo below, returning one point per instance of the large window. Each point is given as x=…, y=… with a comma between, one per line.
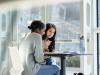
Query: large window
x=66, y=17
x=25, y=15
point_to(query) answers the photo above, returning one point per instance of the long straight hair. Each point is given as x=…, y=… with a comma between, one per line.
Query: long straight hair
x=52, y=45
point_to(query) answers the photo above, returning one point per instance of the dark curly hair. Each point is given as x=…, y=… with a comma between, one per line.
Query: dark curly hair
x=52, y=45
x=36, y=24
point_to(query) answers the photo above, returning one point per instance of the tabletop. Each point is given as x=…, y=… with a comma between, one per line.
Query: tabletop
x=69, y=54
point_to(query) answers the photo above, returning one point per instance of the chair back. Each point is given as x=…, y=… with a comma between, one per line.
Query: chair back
x=15, y=58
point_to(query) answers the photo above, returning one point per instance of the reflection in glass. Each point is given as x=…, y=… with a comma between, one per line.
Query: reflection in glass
x=3, y=22
x=3, y=48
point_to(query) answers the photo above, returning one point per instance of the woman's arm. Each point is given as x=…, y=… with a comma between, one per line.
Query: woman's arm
x=54, y=51
x=48, y=42
x=39, y=55
x=45, y=49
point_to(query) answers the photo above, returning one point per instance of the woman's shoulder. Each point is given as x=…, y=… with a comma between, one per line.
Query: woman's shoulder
x=35, y=36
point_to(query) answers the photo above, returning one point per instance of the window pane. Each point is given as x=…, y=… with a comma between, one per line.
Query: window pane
x=3, y=22
x=66, y=17
x=27, y=14
x=99, y=13
x=3, y=48
x=3, y=38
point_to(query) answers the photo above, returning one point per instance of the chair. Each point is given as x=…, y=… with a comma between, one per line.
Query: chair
x=16, y=61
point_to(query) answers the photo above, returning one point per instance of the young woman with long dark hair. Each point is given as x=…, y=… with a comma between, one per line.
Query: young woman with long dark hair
x=48, y=39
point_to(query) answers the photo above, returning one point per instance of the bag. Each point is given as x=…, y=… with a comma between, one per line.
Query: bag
x=49, y=61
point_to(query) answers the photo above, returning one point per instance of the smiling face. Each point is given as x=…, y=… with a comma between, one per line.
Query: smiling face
x=50, y=32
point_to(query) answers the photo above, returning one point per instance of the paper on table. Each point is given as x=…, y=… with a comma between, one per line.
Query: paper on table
x=71, y=52
x=53, y=52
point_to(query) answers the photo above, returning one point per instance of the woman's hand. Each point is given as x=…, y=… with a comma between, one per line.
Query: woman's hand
x=45, y=49
x=54, y=51
x=45, y=57
x=48, y=43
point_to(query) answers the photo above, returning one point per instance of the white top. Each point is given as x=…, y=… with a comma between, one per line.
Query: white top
x=44, y=44
x=31, y=53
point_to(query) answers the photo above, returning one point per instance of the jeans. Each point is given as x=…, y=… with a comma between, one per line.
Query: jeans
x=49, y=61
x=48, y=70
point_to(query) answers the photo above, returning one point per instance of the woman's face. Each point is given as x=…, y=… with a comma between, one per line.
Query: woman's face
x=42, y=31
x=50, y=32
